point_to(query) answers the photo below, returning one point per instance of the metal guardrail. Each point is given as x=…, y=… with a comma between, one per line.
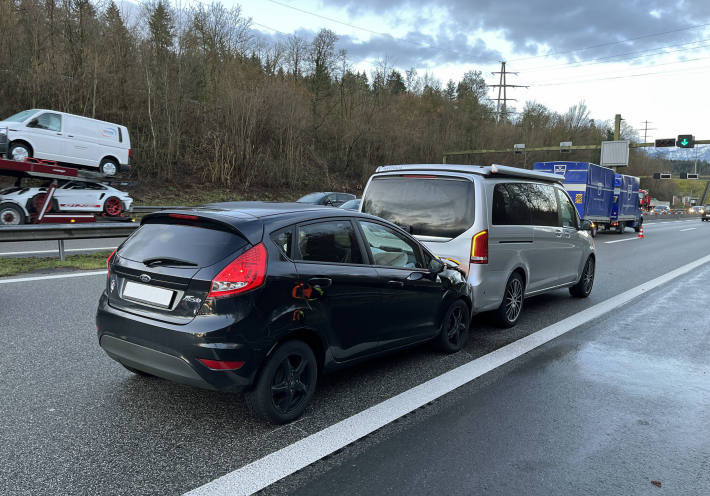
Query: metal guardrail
x=62, y=232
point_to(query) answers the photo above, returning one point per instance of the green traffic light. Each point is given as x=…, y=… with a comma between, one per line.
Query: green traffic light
x=684, y=142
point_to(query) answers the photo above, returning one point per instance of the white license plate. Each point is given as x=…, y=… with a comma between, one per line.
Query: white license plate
x=148, y=294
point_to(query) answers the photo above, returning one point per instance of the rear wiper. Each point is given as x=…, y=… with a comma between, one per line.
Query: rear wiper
x=155, y=261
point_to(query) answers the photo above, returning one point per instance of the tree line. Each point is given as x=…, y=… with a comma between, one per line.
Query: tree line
x=206, y=99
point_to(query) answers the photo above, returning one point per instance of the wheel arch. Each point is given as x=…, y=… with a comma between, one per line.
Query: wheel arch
x=110, y=157
x=308, y=336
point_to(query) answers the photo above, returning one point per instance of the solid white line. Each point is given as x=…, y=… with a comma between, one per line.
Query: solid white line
x=34, y=252
x=619, y=240
x=688, y=229
x=58, y=276
x=284, y=462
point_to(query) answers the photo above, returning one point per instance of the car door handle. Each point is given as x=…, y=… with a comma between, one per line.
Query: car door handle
x=70, y=135
x=322, y=282
x=558, y=233
x=395, y=284
x=59, y=134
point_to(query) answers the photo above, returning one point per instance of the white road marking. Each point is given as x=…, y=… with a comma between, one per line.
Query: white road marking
x=619, y=240
x=284, y=462
x=57, y=276
x=688, y=229
x=35, y=252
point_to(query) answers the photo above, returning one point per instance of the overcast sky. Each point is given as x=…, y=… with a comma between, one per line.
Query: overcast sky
x=645, y=59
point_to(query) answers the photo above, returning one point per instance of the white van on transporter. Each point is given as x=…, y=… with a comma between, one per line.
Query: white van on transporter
x=69, y=139
x=514, y=232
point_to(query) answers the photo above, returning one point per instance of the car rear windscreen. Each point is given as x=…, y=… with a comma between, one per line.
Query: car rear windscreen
x=189, y=243
x=422, y=205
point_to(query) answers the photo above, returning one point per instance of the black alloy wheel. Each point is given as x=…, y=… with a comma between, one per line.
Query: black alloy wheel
x=454, y=328
x=586, y=281
x=511, y=307
x=285, y=385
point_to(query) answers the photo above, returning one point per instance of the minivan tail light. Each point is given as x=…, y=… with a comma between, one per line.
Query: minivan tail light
x=246, y=272
x=108, y=263
x=479, y=248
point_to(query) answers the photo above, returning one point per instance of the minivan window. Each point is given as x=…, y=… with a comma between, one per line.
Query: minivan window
x=198, y=245
x=331, y=241
x=524, y=204
x=568, y=214
x=425, y=206
x=20, y=116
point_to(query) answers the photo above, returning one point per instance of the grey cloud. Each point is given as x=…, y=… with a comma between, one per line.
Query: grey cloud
x=413, y=50
x=560, y=24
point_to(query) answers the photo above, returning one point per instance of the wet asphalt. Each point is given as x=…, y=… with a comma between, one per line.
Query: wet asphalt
x=72, y=421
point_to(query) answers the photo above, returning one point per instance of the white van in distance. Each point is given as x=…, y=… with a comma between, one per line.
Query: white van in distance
x=69, y=139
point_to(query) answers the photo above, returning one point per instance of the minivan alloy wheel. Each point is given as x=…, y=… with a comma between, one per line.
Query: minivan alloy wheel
x=510, y=308
x=586, y=280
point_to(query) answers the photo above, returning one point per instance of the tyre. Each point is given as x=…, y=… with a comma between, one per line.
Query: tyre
x=586, y=281
x=454, y=328
x=11, y=215
x=108, y=167
x=620, y=228
x=113, y=206
x=509, y=310
x=637, y=228
x=285, y=385
x=136, y=371
x=19, y=151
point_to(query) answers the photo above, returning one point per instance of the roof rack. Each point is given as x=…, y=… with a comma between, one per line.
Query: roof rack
x=495, y=170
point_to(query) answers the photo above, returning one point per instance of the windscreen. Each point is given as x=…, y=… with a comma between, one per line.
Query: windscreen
x=310, y=198
x=422, y=205
x=192, y=244
x=20, y=116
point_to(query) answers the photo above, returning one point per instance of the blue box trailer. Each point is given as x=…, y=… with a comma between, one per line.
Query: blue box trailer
x=626, y=208
x=596, y=191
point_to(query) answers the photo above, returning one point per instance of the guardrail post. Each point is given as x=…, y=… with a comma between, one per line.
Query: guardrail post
x=62, y=257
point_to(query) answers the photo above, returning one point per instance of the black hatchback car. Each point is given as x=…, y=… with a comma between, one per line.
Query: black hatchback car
x=261, y=298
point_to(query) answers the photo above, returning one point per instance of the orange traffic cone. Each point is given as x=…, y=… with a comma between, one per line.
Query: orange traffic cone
x=641, y=232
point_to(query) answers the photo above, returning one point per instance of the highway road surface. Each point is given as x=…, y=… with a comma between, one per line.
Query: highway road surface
x=598, y=396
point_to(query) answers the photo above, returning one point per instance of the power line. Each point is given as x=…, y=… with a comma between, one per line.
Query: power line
x=644, y=53
x=696, y=26
x=563, y=83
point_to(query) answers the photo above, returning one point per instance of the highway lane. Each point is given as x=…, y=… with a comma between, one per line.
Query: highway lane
x=608, y=408
x=76, y=422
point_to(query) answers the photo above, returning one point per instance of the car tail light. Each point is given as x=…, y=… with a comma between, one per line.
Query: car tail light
x=108, y=262
x=221, y=364
x=183, y=216
x=130, y=153
x=479, y=248
x=246, y=272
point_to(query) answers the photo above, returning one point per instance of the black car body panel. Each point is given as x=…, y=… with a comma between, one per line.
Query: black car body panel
x=345, y=311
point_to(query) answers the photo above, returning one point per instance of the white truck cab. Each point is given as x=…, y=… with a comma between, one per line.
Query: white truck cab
x=69, y=139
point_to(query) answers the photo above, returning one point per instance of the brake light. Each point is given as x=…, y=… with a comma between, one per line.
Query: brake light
x=130, y=153
x=221, y=364
x=183, y=216
x=108, y=263
x=479, y=248
x=246, y=272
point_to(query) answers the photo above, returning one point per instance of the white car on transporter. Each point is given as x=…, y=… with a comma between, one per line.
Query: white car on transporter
x=68, y=139
x=18, y=203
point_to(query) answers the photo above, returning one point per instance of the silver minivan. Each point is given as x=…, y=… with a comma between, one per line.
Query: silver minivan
x=514, y=232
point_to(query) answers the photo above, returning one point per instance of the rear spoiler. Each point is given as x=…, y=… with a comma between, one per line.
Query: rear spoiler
x=250, y=228
x=494, y=170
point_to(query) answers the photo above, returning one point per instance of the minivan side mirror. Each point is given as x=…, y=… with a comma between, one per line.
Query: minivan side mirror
x=586, y=225
x=436, y=266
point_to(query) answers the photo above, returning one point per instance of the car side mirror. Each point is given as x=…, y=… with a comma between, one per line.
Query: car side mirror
x=32, y=123
x=586, y=225
x=436, y=266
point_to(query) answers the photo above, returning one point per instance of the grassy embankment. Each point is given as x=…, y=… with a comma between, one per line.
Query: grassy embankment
x=91, y=261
